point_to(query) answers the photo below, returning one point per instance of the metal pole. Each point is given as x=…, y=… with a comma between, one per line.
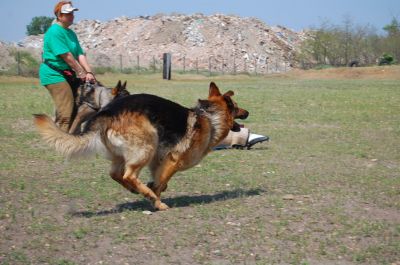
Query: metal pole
x=120, y=63
x=255, y=66
x=138, y=64
x=18, y=63
x=234, y=65
x=209, y=66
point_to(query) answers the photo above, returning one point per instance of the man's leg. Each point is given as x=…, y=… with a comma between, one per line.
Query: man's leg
x=236, y=138
x=242, y=139
x=64, y=102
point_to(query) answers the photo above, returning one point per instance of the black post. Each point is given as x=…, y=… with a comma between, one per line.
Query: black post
x=167, y=66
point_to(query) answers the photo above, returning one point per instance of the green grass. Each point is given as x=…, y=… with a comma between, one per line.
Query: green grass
x=334, y=147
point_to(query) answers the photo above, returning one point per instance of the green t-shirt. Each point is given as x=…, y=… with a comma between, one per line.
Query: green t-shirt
x=57, y=41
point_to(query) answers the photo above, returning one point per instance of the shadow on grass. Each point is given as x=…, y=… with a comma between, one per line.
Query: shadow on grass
x=180, y=201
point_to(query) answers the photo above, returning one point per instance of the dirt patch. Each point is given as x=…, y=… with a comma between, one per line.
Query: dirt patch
x=373, y=72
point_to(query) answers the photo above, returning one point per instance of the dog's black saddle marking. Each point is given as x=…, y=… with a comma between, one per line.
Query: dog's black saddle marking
x=168, y=117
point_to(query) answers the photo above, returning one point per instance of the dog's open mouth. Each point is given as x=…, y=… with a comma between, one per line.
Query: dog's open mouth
x=235, y=127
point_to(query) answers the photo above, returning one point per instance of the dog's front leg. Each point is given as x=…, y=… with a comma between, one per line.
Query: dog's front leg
x=163, y=173
x=131, y=178
x=84, y=113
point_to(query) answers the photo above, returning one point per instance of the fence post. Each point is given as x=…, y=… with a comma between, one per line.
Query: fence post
x=167, y=66
x=18, y=63
x=184, y=64
x=222, y=68
x=209, y=66
x=154, y=64
x=197, y=65
x=120, y=63
x=255, y=66
x=138, y=64
x=234, y=65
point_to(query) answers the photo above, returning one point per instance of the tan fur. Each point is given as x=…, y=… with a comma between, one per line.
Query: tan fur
x=131, y=142
x=99, y=99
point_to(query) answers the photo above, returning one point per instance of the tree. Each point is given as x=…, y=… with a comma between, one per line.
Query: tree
x=393, y=28
x=392, y=42
x=39, y=25
x=338, y=45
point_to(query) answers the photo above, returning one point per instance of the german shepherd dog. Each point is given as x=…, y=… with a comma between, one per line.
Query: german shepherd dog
x=91, y=98
x=146, y=130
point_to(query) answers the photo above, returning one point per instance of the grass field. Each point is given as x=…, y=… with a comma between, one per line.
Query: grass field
x=324, y=190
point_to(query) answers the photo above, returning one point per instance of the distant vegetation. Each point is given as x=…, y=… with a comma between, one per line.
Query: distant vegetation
x=39, y=25
x=350, y=45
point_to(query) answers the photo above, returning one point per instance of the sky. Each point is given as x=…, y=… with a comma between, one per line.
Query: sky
x=293, y=14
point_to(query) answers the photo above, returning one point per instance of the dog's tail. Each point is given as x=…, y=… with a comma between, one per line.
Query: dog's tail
x=67, y=144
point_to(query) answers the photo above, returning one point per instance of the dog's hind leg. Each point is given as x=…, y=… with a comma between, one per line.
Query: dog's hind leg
x=117, y=173
x=131, y=178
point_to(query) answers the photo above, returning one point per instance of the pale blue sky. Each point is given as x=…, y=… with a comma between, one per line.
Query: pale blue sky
x=294, y=14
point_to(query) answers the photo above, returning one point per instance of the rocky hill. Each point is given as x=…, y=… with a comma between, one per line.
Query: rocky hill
x=219, y=42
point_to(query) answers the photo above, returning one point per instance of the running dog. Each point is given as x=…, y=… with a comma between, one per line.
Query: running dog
x=91, y=98
x=146, y=130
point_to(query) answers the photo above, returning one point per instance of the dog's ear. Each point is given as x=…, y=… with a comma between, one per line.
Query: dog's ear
x=213, y=90
x=123, y=87
x=116, y=89
x=229, y=93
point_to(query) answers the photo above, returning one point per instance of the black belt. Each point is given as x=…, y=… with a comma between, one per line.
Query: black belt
x=68, y=74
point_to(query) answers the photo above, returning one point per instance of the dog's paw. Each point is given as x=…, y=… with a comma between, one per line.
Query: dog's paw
x=160, y=206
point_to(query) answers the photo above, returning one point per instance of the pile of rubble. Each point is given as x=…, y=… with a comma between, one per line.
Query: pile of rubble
x=218, y=42
x=5, y=54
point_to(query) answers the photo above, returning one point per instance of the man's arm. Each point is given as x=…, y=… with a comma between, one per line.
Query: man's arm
x=70, y=60
x=83, y=61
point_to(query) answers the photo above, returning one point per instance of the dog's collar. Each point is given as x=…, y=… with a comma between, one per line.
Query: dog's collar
x=200, y=111
x=88, y=86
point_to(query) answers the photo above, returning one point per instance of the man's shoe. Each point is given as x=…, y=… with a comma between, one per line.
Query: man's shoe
x=254, y=139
